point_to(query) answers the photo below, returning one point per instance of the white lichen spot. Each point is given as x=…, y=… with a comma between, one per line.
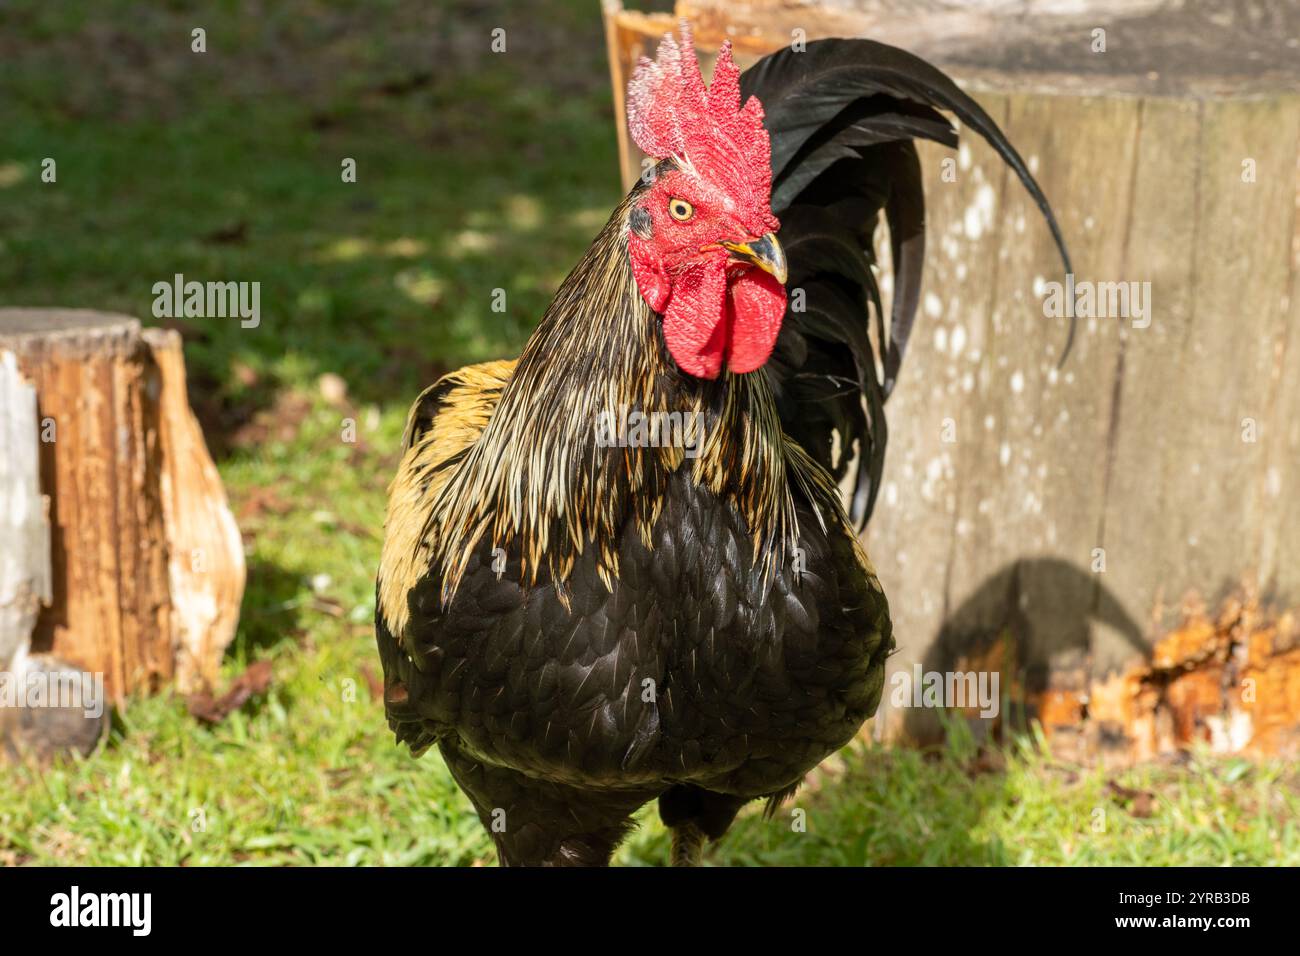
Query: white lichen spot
x=1017, y=381
x=958, y=340
x=933, y=305
x=963, y=157
x=979, y=216
x=1004, y=455
x=935, y=470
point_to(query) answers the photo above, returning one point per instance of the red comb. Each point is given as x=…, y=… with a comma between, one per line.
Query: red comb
x=708, y=132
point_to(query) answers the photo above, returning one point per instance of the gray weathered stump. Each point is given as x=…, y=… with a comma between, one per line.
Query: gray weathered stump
x=1082, y=533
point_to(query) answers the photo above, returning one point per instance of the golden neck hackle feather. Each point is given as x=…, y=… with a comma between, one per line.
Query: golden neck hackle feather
x=536, y=481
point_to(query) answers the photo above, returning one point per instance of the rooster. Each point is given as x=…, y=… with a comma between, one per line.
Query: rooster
x=584, y=622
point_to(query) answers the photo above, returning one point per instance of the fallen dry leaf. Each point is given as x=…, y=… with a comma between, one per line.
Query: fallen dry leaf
x=987, y=760
x=262, y=501
x=255, y=680
x=1144, y=804
x=327, y=605
x=1141, y=803
x=279, y=422
x=235, y=233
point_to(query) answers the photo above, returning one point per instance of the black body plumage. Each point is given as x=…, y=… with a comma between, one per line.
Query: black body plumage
x=691, y=674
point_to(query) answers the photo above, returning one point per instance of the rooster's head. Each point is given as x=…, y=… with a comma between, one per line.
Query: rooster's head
x=701, y=236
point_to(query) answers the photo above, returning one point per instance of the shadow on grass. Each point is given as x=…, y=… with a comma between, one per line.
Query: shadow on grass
x=868, y=806
x=272, y=611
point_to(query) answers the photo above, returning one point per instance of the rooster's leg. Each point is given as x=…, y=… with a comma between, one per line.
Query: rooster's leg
x=688, y=844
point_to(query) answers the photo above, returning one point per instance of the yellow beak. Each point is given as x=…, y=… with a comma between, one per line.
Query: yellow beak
x=764, y=252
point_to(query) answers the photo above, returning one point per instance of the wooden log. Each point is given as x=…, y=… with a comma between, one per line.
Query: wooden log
x=1079, y=514
x=148, y=566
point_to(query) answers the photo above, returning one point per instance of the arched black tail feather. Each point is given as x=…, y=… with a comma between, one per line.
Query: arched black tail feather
x=842, y=115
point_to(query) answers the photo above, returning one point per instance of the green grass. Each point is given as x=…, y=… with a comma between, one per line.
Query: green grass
x=308, y=776
x=493, y=172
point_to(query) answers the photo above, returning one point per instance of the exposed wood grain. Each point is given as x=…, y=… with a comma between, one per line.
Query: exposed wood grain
x=205, y=554
x=933, y=424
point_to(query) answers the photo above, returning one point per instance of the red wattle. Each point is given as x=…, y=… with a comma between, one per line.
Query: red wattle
x=711, y=323
x=695, y=321
x=755, y=306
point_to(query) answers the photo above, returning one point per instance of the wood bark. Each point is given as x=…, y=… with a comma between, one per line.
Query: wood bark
x=1063, y=526
x=147, y=565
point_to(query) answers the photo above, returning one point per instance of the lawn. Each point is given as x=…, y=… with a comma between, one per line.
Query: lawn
x=487, y=171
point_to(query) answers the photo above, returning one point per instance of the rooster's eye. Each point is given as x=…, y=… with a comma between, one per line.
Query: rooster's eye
x=680, y=209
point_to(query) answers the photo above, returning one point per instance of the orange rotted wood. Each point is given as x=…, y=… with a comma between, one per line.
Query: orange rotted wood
x=1230, y=683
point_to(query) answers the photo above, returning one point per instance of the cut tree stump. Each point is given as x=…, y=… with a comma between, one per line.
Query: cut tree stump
x=1094, y=516
x=147, y=565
